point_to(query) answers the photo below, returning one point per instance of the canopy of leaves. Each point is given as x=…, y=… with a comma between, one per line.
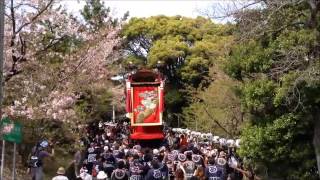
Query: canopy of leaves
x=278, y=62
x=281, y=143
x=186, y=46
x=97, y=15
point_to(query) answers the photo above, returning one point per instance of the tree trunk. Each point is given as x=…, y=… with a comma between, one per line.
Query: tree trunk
x=316, y=137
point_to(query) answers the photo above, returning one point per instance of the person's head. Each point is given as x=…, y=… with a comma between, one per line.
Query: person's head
x=99, y=158
x=121, y=164
x=136, y=156
x=110, y=159
x=129, y=157
x=92, y=144
x=147, y=157
x=116, y=146
x=189, y=156
x=155, y=152
x=155, y=164
x=83, y=170
x=195, y=150
x=121, y=155
x=102, y=175
x=130, y=145
x=61, y=171
x=162, y=149
x=160, y=157
x=211, y=161
x=43, y=144
x=105, y=148
x=222, y=154
x=171, y=133
x=140, y=154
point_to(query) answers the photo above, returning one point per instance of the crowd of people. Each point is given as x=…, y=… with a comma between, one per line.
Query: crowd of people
x=182, y=155
x=108, y=153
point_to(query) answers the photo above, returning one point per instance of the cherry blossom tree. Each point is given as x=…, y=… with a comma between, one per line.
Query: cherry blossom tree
x=50, y=57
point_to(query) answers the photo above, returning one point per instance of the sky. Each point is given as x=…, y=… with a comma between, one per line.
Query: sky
x=147, y=8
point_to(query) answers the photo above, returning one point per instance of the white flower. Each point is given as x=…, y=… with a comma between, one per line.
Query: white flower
x=54, y=115
x=17, y=103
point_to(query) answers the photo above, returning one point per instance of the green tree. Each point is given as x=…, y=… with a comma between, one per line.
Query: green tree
x=216, y=109
x=185, y=47
x=95, y=14
x=94, y=104
x=278, y=62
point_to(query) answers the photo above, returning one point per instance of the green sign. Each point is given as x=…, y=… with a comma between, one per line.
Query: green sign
x=11, y=131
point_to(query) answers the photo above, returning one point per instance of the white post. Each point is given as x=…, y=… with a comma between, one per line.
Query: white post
x=14, y=161
x=196, y=124
x=2, y=158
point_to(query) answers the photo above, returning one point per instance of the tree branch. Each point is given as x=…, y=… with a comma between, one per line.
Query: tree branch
x=230, y=11
x=8, y=16
x=13, y=19
x=26, y=4
x=9, y=76
x=35, y=17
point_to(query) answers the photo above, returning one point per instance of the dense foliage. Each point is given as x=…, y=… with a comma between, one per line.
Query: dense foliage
x=278, y=63
x=186, y=48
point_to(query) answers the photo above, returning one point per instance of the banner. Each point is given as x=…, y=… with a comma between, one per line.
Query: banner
x=145, y=106
x=11, y=131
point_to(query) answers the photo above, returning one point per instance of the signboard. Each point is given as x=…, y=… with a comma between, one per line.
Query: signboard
x=11, y=131
x=146, y=110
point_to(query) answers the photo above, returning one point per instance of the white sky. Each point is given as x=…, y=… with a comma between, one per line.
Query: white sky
x=147, y=8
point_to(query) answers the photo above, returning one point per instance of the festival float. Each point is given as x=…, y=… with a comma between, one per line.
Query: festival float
x=145, y=104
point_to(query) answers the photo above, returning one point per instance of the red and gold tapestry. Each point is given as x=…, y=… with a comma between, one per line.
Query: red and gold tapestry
x=145, y=106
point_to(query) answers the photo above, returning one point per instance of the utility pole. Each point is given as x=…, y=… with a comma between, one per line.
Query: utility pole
x=2, y=3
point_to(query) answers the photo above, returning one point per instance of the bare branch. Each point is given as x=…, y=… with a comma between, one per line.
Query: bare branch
x=26, y=4
x=51, y=44
x=9, y=76
x=227, y=10
x=35, y=17
x=7, y=15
